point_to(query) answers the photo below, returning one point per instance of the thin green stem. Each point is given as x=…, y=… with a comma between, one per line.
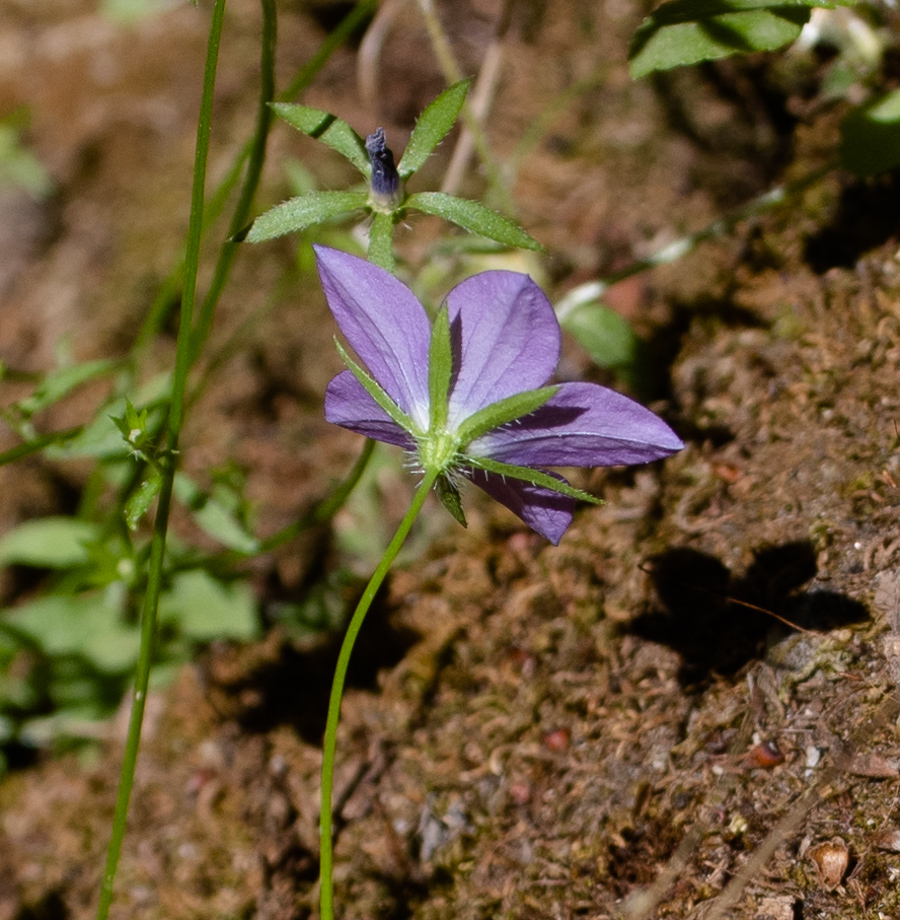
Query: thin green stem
x=176, y=414
x=347, y=26
x=171, y=286
x=326, y=859
x=319, y=514
x=594, y=290
x=251, y=181
x=38, y=444
x=326, y=509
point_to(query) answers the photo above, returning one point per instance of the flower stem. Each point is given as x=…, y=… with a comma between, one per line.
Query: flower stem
x=176, y=414
x=326, y=859
x=251, y=179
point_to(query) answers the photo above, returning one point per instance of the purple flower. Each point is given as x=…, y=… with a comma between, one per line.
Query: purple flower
x=466, y=395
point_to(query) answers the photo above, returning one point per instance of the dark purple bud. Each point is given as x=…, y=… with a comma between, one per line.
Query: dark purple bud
x=385, y=181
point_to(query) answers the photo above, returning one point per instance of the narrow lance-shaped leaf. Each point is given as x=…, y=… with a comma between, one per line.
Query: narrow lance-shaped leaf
x=440, y=370
x=302, y=212
x=533, y=476
x=60, y=383
x=503, y=412
x=684, y=32
x=327, y=128
x=474, y=217
x=375, y=391
x=432, y=127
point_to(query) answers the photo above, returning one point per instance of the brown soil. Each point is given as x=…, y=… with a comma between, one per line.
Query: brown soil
x=688, y=708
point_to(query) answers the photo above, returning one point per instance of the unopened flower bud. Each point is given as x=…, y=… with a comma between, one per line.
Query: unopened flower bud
x=385, y=182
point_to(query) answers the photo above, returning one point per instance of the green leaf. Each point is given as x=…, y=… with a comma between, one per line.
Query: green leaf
x=432, y=127
x=683, y=32
x=84, y=625
x=327, y=128
x=870, y=136
x=141, y=499
x=535, y=477
x=50, y=542
x=213, y=517
x=203, y=608
x=60, y=383
x=373, y=388
x=605, y=335
x=474, y=217
x=449, y=496
x=304, y=211
x=440, y=370
x=381, y=241
x=502, y=412
x=18, y=165
x=610, y=341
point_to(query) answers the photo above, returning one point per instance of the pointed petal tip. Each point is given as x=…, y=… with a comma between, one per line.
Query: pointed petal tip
x=583, y=424
x=547, y=513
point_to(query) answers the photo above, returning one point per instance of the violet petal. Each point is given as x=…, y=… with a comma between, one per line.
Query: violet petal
x=385, y=325
x=508, y=340
x=544, y=511
x=348, y=404
x=582, y=424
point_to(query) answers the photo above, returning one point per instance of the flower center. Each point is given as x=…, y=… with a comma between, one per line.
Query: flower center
x=438, y=450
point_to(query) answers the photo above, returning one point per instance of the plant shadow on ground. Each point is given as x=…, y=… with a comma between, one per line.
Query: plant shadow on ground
x=50, y=907
x=757, y=130
x=665, y=343
x=718, y=622
x=865, y=218
x=283, y=682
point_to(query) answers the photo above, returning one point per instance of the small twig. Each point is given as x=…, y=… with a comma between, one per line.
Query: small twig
x=480, y=103
x=594, y=290
x=640, y=905
x=472, y=119
x=370, y=54
x=552, y=111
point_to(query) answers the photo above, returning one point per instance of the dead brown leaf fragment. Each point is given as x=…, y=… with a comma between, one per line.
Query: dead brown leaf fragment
x=831, y=860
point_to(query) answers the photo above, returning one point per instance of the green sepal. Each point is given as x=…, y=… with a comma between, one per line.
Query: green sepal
x=432, y=126
x=530, y=475
x=381, y=242
x=374, y=389
x=440, y=370
x=870, y=136
x=683, y=32
x=474, y=217
x=502, y=412
x=304, y=211
x=140, y=500
x=328, y=128
x=449, y=496
x=133, y=428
